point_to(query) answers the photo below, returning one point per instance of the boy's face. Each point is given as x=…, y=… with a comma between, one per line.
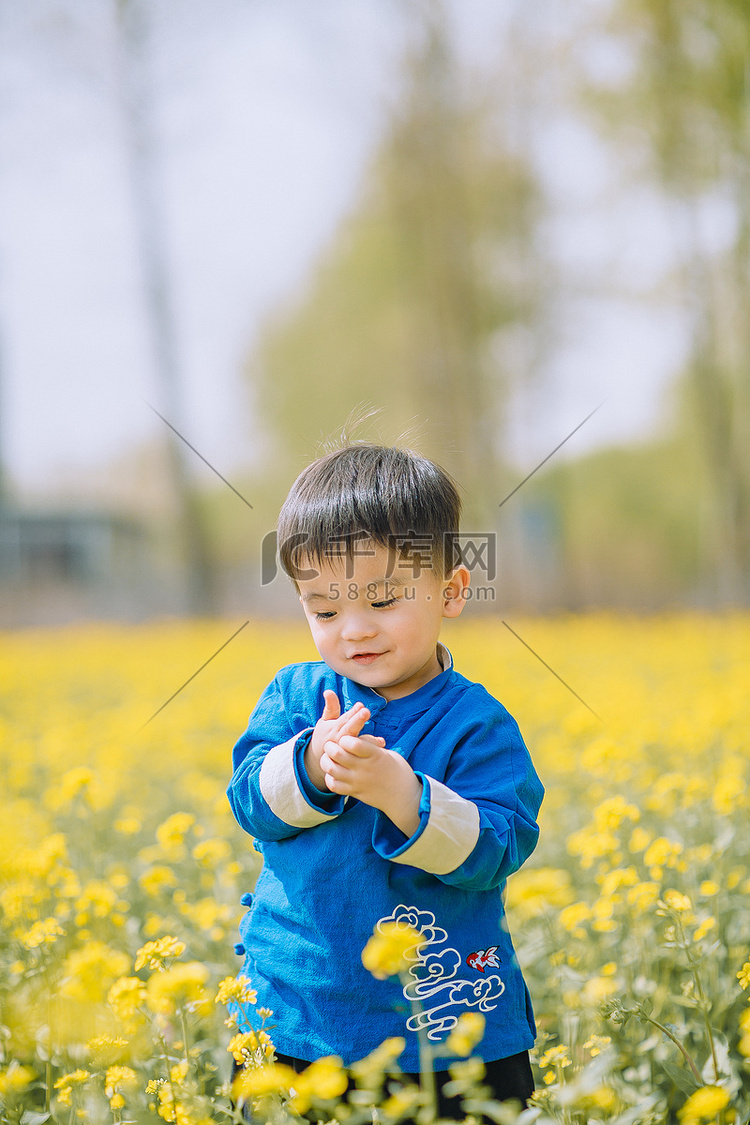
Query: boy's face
x=380, y=631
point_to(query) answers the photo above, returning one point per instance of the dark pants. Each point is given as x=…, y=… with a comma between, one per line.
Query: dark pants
x=506, y=1078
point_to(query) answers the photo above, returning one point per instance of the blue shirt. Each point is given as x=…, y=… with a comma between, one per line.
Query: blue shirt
x=334, y=868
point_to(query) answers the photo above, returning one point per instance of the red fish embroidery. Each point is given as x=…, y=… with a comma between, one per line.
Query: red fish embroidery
x=482, y=958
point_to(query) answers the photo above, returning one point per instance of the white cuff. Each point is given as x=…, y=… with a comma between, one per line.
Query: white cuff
x=450, y=835
x=281, y=791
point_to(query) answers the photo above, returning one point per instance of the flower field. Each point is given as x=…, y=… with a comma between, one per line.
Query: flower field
x=121, y=871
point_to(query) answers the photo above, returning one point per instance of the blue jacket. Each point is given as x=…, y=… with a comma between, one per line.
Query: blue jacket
x=334, y=868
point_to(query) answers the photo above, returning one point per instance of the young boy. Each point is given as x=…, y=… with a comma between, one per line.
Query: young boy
x=382, y=785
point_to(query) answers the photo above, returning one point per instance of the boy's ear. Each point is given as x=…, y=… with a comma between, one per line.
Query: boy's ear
x=455, y=590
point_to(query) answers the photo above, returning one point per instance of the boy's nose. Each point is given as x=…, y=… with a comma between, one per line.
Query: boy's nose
x=357, y=626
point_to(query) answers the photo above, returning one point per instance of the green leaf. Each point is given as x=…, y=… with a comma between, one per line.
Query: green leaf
x=682, y=1078
x=32, y=1117
x=685, y=1001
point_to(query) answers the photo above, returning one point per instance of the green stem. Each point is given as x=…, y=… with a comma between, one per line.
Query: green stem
x=426, y=1068
x=185, y=1044
x=668, y=1033
x=702, y=997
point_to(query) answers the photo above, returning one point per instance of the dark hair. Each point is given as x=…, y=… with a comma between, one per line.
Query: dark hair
x=394, y=497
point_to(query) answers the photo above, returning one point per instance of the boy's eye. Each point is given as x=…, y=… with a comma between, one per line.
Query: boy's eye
x=380, y=605
x=325, y=616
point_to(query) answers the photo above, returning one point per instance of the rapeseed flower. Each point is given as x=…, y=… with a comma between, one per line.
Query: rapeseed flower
x=535, y=890
x=391, y=949
x=126, y=998
x=247, y=1045
x=263, y=1081
x=155, y=879
x=703, y=1105
x=468, y=1031
x=156, y=954
x=117, y=1078
x=659, y=802
x=68, y=1082
x=238, y=989
x=88, y=972
x=324, y=1080
x=180, y=986
x=15, y=1079
x=44, y=932
x=372, y=1067
x=171, y=834
x=107, y=1050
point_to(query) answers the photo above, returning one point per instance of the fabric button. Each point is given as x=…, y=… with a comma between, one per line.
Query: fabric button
x=239, y=949
x=247, y=899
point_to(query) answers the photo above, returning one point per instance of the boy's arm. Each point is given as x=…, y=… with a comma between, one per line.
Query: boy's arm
x=478, y=825
x=270, y=793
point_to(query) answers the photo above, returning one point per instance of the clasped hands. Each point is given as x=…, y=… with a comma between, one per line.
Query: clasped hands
x=343, y=760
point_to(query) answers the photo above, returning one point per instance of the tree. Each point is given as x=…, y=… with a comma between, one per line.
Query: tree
x=690, y=93
x=436, y=262
x=195, y=555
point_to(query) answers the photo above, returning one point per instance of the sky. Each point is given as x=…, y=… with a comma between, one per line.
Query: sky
x=266, y=114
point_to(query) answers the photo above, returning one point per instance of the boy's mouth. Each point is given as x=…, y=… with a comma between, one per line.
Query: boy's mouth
x=366, y=657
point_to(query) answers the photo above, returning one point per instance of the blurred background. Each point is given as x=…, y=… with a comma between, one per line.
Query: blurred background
x=485, y=229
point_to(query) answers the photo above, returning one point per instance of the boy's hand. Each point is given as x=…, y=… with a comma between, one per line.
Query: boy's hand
x=364, y=768
x=329, y=727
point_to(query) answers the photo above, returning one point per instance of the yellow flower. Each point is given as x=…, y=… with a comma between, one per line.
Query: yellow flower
x=323, y=1080
x=678, y=902
x=127, y=825
x=88, y=972
x=181, y=986
x=555, y=1056
x=744, y=1044
x=15, y=1080
x=530, y=893
x=262, y=1081
x=703, y=1104
x=372, y=1067
x=126, y=996
x=591, y=845
x=612, y=811
x=662, y=853
x=743, y=976
x=171, y=833
x=44, y=932
x=391, y=949
x=597, y=989
x=571, y=917
x=643, y=895
x=596, y=1044
x=106, y=1050
x=705, y=926
x=402, y=1100
x=639, y=839
x=66, y=1083
x=468, y=1031
x=237, y=989
x=178, y=1073
x=245, y=1044
x=99, y=897
x=155, y=879
x=211, y=852
x=156, y=953
x=116, y=1077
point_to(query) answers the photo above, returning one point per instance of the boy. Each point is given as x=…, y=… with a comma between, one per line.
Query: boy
x=382, y=785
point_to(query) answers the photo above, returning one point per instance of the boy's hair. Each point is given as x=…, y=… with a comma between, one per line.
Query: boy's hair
x=394, y=497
